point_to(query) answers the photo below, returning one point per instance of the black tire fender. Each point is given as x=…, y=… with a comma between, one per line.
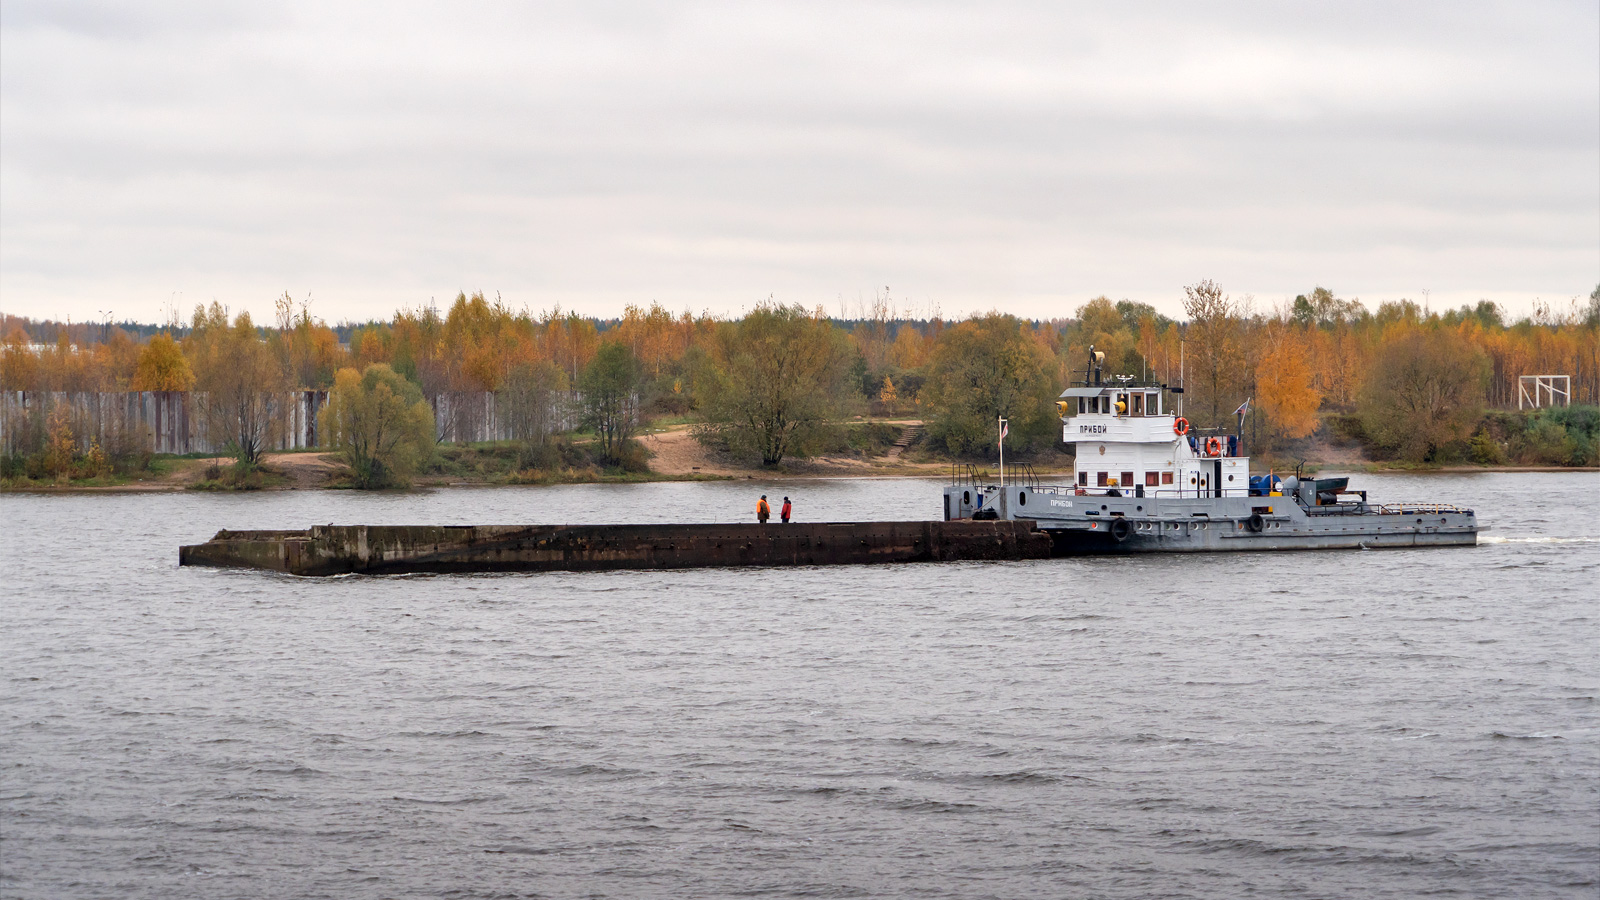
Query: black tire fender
x=1120, y=529
x=1256, y=523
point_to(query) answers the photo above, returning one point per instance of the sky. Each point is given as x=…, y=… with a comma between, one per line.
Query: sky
x=956, y=157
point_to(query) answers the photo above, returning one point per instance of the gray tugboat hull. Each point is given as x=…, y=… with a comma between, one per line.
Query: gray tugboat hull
x=1093, y=524
x=1076, y=542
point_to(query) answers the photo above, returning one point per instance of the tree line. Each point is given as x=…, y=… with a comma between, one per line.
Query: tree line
x=773, y=384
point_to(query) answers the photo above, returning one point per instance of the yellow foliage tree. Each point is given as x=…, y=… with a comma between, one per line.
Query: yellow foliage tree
x=162, y=367
x=19, y=365
x=1286, y=395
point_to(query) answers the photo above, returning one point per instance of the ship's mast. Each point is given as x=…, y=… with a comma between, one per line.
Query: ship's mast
x=1001, y=428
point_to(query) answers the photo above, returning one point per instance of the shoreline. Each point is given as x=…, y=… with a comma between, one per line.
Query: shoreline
x=676, y=456
x=171, y=485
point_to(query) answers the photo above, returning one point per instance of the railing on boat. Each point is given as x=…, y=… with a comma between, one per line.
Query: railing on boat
x=1025, y=475
x=1022, y=473
x=1412, y=509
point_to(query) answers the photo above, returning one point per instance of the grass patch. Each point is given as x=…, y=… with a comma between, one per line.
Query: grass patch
x=561, y=460
x=241, y=476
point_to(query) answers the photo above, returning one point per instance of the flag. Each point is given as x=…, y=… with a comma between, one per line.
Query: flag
x=1243, y=409
x=1005, y=428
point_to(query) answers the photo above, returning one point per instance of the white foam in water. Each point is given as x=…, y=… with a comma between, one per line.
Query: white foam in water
x=1496, y=539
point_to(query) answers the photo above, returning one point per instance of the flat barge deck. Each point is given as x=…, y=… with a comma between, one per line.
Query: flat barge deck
x=405, y=549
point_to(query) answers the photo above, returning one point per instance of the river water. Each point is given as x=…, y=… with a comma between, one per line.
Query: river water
x=1334, y=724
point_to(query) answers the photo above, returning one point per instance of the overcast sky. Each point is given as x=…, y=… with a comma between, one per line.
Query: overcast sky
x=1025, y=157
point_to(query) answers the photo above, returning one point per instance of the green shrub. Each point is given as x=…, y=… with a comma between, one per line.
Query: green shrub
x=1485, y=450
x=381, y=424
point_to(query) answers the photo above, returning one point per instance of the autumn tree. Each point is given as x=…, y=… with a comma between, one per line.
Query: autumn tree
x=527, y=403
x=985, y=368
x=656, y=338
x=162, y=367
x=910, y=348
x=1214, y=359
x=238, y=381
x=774, y=383
x=609, y=386
x=62, y=445
x=380, y=423
x=19, y=365
x=1284, y=390
x=1423, y=391
x=1099, y=324
x=570, y=340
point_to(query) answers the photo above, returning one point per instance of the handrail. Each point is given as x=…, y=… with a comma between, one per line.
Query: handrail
x=1406, y=509
x=965, y=473
x=1024, y=473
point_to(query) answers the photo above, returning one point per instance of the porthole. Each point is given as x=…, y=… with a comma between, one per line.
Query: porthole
x=1230, y=477
x=1191, y=479
x=1022, y=498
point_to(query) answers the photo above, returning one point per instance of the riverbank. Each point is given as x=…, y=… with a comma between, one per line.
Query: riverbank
x=674, y=455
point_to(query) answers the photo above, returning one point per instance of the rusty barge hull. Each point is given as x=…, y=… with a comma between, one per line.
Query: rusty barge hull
x=406, y=549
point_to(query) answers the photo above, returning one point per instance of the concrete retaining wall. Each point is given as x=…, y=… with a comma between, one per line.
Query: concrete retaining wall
x=172, y=421
x=158, y=421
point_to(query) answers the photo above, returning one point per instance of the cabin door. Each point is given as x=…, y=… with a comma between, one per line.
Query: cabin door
x=1216, y=478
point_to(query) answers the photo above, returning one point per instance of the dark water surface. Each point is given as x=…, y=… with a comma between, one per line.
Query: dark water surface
x=1336, y=724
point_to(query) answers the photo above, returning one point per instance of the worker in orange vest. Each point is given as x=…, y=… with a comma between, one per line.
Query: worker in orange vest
x=763, y=510
x=787, y=509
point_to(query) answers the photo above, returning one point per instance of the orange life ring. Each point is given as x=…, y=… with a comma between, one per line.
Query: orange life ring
x=1213, y=446
x=1180, y=425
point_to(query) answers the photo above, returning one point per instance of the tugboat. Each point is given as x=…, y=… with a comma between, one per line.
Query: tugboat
x=1147, y=482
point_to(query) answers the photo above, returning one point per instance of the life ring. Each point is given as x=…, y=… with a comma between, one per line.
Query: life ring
x=1180, y=426
x=1120, y=529
x=1256, y=523
x=1213, y=446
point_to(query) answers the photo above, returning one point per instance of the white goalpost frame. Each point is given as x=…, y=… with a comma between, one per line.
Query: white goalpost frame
x=1544, y=389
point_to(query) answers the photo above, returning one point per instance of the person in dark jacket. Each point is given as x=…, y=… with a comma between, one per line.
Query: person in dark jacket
x=787, y=509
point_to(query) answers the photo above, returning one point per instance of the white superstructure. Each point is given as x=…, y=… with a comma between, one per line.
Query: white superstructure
x=1126, y=441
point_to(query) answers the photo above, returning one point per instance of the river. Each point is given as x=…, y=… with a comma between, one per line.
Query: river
x=1317, y=724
